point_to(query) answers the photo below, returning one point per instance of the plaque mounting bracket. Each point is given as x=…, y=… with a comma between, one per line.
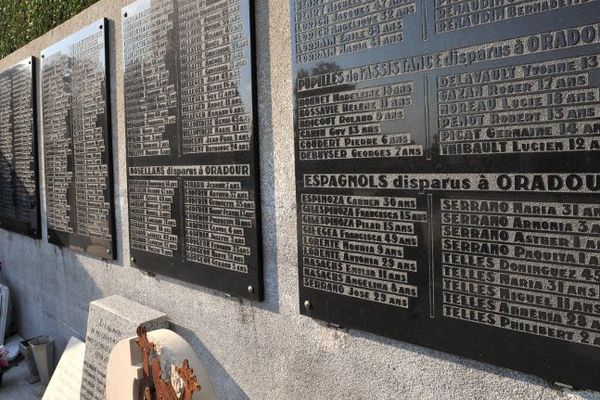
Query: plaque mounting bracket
x=563, y=385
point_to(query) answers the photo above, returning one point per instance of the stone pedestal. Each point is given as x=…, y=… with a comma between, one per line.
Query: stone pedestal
x=66, y=381
x=110, y=320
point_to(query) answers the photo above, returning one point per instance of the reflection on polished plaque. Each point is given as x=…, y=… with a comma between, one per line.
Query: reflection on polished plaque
x=77, y=143
x=191, y=142
x=448, y=178
x=19, y=187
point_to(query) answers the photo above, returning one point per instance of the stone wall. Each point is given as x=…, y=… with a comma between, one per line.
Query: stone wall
x=260, y=351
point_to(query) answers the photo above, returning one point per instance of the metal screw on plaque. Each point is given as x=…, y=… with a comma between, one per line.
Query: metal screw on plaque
x=133, y=260
x=107, y=251
x=307, y=304
x=250, y=289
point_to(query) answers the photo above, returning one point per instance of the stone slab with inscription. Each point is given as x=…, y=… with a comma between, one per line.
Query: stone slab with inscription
x=448, y=177
x=19, y=185
x=111, y=320
x=77, y=142
x=190, y=120
x=66, y=380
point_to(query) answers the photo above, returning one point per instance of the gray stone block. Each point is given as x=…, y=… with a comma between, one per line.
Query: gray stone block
x=111, y=320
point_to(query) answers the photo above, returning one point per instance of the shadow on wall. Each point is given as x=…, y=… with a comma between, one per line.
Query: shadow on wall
x=218, y=373
x=119, y=186
x=50, y=287
x=267, y=150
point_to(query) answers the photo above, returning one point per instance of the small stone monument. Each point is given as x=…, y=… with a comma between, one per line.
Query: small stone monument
x=66, y=381
x=111, y=320
x=158, y=364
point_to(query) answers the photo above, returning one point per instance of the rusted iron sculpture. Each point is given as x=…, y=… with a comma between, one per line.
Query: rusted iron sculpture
x=189, y=379
x=154, y=387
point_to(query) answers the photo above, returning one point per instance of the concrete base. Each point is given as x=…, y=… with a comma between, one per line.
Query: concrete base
x=15, y=387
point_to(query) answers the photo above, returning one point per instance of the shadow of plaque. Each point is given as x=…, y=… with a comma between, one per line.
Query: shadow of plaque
x=19, y=184
x=192, y=161
x=447, y=177
x=77, y=143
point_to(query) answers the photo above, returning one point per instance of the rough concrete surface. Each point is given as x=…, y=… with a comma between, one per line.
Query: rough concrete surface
x=262, y=351
x=15, y=387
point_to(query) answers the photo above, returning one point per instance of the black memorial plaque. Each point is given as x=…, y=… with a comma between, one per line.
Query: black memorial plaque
x=19, y=185
x=448, y=176
x=193, y=178
x=77, y=142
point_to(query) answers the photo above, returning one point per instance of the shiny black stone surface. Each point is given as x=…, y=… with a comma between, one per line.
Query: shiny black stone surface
x=77, y=142
x=19, y=185
x=448, y=176
x=192, y=144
